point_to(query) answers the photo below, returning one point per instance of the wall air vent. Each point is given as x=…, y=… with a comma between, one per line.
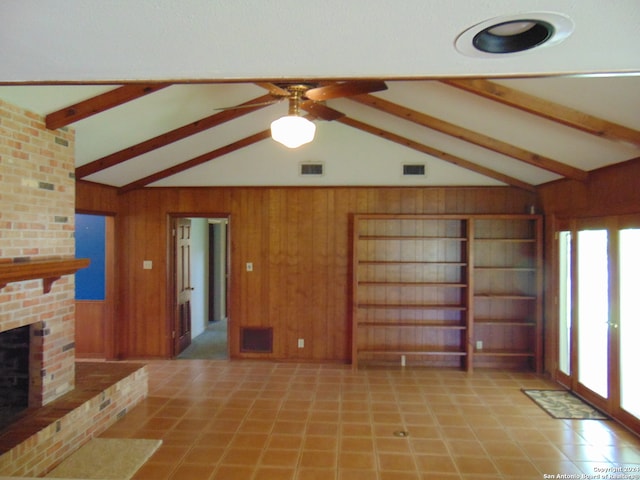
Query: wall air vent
x=414, y=169
x=256, y=340
x=313, y=169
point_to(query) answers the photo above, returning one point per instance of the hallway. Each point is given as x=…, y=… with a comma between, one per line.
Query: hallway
x=209, y=345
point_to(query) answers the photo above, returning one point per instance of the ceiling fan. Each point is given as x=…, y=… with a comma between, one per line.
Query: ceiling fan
x=294, y=130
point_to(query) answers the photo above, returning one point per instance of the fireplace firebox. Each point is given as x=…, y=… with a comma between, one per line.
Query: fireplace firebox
x=14, y=373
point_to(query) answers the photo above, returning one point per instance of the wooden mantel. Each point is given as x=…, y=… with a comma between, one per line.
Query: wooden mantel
x=48, y=269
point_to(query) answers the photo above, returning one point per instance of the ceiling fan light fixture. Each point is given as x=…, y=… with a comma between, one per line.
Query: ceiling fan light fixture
x=292, y=131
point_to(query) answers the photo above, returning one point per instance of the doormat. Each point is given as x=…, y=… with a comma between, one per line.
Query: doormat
x=564, y=405
x=106, y=459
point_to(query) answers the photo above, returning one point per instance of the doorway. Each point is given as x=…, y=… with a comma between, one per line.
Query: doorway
x=200, y=272
x=95, y=334
x=597, y=304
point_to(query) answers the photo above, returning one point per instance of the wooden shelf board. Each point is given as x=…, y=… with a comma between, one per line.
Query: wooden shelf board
x=505, y=240
x=414, y=284
x=504, y=297
x=410, y=237
x=415, y=324
x=508, y=269
x=414, y=352
x=505, y=323
x=401, y=262
x=48, y=269
x=502, y=353
x=412, y=307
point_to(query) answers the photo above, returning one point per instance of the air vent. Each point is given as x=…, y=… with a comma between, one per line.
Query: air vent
x=312, y=169
x=414, y=169
x=256, y=340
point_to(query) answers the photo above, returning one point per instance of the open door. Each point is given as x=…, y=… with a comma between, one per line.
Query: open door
x=182, y=252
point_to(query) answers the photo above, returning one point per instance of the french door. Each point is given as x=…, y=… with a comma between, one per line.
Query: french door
x=598, y=310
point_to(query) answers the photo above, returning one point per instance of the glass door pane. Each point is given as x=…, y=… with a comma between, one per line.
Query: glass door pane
x=593, y=311
x=564, y=302
x=629, y=321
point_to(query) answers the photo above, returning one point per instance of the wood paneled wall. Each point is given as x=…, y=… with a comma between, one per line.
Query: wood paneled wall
x=298, y=240
x=610, y=190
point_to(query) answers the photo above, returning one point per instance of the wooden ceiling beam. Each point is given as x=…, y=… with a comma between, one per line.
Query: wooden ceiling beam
x=436, y=153
x=547, y=109
x=194, y=162
x=100, y=103
x=171, y=136
x=472, y=137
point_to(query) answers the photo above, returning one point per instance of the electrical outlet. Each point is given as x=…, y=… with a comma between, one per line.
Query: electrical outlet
x=301, y=343
x=249, y=267
x=147, y=264
x=479, y=345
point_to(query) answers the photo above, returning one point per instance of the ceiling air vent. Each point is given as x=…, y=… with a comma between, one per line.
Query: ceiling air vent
x=414, y=169
x=312, y=169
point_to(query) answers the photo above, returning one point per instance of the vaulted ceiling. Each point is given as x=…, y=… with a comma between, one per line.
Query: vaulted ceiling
x=146, y=86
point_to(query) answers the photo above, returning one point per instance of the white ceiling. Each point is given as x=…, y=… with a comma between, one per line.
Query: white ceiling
x=57, y=53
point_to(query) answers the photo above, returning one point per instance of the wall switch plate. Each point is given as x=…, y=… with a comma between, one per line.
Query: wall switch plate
x=479, y=345
x=301, y=343
x=147, y=264
x=249, y=267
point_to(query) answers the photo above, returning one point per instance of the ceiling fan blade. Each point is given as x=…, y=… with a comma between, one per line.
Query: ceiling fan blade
x=345, y=89
x=274, y=89
x=321, y=111
x=249, y=105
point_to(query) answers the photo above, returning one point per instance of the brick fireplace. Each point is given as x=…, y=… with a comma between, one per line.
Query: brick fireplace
x=37, y=210
x=37, y=295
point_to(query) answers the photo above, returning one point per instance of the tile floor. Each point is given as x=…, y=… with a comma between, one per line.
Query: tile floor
x=222, y=420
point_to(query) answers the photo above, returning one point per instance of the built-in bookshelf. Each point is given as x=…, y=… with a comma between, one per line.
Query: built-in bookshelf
x=417, y=280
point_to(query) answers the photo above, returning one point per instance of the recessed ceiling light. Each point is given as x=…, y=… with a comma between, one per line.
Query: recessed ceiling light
x=514, y=34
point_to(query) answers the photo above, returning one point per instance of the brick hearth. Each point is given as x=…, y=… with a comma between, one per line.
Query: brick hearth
x=44, y=436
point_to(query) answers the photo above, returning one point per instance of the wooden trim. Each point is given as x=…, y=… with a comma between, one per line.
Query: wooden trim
x=111, y=325
x=470, y=334
x=100, y=103
x=472, y=137
x=437, y=153
x=547, y=109
x=170, y=137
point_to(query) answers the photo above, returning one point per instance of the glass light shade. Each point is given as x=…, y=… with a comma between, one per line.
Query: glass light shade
x=293, y=131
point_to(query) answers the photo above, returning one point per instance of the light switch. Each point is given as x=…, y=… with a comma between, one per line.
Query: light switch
x=249, y=267
x=147, y=264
